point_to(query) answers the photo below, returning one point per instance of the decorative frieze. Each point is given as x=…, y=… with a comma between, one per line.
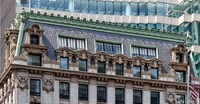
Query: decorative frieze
x=22, y=82
x=48, y=85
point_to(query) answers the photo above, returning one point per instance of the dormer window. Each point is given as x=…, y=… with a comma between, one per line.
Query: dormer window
x=179, y=58
x=34, y=39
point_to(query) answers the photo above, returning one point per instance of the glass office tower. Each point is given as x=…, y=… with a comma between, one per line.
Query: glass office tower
x=164, y=15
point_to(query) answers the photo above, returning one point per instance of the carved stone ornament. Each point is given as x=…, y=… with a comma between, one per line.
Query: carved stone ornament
x=170, y=98
x=22, y=82
x=48, y=85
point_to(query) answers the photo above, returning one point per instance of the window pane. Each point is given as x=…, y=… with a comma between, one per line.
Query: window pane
x=119, y=96
x=68, y=5
x=155, y=98
x=142, y=9
x=154, y=73
x=143, y=52
x=108, y=47
x=43, y=4
x=77, y=5
x=101, y=94
x=101, y=7
x=34, y=59
x=151, y=8
x=82, y=65
x=93, y=7
x=64, y=90
x=83, y=92
x=119, y=69
x=117, y=8
x=160, y=9
x=59, y=5
x=34, y=39
x=179, y=76
x=134, y=8
x=72, y=43
x=101, y=67
x=180, y=99
x=137, y=97
x=137, y=71
x=64, y=63
x=126, y=8
x=35, y=87
x=109, y=7
x=84, y=6
x=52, y=4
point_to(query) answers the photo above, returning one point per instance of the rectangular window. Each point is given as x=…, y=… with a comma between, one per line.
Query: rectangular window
x=119, y=96
x=144, y=52
x=64, y=63
x=35, y=87
x=72, y=43
x=179, y=58
x=83, y=92
x=101, y=94
x=109, y=7
x=82, y=65
x=34, y=59
x=180, y=99
x=137, y=71
x=154, y=73
x=119, y=69
x=155, y=98
x=179, y=76
x=101, y=7
x=64, y=90
x=101, y=67
x=110, y=48
x=137, y=97
x=34, y=39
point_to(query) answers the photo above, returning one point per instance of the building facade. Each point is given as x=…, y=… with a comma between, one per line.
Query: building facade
x=7, y=13
x=65, y=60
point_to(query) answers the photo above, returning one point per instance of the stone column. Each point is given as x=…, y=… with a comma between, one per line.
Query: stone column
x=129, y=93
x=56, y=92
x=146, y=94
x=162, y=98
x=74, y=90
x=111, y=92
x=92, y=92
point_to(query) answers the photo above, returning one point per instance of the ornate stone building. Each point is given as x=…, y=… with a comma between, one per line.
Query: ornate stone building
x=62, y=60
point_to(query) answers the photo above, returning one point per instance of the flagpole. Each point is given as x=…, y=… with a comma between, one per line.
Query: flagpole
x=29, y=5
x=188, y=77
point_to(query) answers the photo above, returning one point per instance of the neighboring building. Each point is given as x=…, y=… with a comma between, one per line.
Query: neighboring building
x=7, y=13
x=165, y=15
x=61, y=60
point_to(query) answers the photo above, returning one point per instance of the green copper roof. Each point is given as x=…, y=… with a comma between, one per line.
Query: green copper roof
x=102, y=26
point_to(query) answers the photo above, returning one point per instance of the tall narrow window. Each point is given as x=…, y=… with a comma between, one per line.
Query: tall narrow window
x=119, y=96
x=101, y=94
x=82, y=65
x=180, y=99
x=83, y=92
x=35, y=87
x=64, y=63
x=110, y=48
x=64, y=90
x=154, y=73
x=179, y=58
x=101, y=67
x=155, y=96
x=137, y=97
x=34, y=39
x=119, y=69
x=179, y=76
x=137, y=71
x=34, y=59
x=72, y=43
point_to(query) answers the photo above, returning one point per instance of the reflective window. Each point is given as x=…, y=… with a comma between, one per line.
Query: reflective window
x=44, y=4
x=151, y=8
x=77, y=6
x=155, y=98
x=34, y=59
x=64, y=63
x=179, y=76
x=154, y=73
x=52, y=4
x=101, y=94
x=137, y=71
x=137, y=97
x=110, y=48
x=109, y=8
x=64, y=90
x=59, y=5
x=119, y=69
x=68, y=5
x=72, y=43
x=126, y=8
x=143, y=52
x=82, y=65
x=180, y=99
x=83, y=92
x=35, y=3
x=101, y=67
x=84, y=6
x=119, y=96
x=160, y=9
x=134, y=8
x=93, y=6
x=117, y=8
x=142, y=9
x=101, y=7
x=151, y=26
x=35, y=87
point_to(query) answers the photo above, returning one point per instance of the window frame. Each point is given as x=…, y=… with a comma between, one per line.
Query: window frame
x=147, y=48
x=34, y=93
x=85, y=67
x=134, y=101
x=134, y=75
x=121, y=70
x=85, y=98
x=182, y=95
x=184, y=76
x=67, y=63
x=157, y=96
x=62, y=96
x=34, y=42
x=103, y=70
x=157, y=76
x=34, y=55
x=117, y=101
x=104, y=94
